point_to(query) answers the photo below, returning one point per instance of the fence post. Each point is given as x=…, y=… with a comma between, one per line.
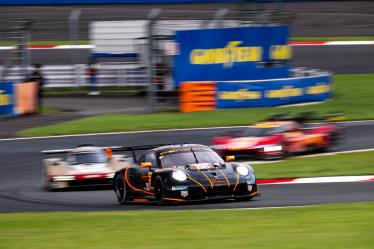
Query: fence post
x=24, y=52
x=73, y=37
x=152, y=17
x=219, y=16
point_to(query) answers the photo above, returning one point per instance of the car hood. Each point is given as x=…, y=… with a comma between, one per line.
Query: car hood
x=94, y=168
x=243, y=142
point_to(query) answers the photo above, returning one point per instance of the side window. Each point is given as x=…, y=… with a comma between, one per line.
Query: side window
x=151, y=157
x=70, y=159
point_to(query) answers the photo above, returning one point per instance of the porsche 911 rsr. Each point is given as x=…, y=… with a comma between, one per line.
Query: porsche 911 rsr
x=182, y=173
x=83, y=166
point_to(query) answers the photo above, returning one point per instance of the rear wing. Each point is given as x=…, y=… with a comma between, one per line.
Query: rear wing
x=110, y=149
x=133, y=149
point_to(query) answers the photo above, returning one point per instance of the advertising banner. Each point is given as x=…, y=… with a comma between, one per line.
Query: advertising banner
x=6, y=98
x=273, y=92
x=225, y=54
x=26, y=98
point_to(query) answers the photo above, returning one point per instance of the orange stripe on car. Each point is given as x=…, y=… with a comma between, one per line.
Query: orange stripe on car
x=237, y=181
x=197, y=183
x=136, y=189
x=211, y=183
x=173, y=199
x=227, y=180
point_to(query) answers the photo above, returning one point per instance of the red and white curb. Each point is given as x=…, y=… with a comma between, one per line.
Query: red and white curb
x=325, y=179
x=332, y=43
x=51, y=47
x=314, y=43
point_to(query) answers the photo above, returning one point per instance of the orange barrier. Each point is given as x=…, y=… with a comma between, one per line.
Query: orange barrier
x=26, y=97
x=197, y=96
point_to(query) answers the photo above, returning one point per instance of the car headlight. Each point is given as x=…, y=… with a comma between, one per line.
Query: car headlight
x=110, y=175
x=179, y=175
x=242, y=170
x=272, y=148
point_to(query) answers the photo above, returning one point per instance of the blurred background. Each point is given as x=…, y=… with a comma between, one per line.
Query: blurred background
x=123, y=47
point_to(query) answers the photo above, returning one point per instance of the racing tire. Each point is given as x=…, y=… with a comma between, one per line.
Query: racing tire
x=334, y=139
x=159, y=190
x=120, y=189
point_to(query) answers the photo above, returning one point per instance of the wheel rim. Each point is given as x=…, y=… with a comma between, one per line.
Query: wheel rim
x=120, y=189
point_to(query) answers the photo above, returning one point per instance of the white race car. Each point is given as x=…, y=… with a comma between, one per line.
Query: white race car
x=84, y=165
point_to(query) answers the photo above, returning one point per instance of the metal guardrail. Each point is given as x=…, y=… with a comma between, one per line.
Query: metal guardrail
x=119, y=74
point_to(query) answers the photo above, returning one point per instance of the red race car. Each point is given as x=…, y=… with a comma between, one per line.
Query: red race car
x=276, y=139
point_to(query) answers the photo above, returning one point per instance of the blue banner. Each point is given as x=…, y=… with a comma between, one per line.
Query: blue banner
x=6, y=98
x=247, y=53
x=273, y=92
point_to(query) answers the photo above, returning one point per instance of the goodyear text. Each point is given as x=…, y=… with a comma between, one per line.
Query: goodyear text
x=227, y=56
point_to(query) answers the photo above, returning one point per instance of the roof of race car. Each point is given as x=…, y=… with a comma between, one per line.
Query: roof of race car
x=271, y=124
x=178, y=147
x=86, y=149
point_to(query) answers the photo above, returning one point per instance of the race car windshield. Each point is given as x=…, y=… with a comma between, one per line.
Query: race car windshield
x=189, y=157
x=83, y=158
x=259, y=132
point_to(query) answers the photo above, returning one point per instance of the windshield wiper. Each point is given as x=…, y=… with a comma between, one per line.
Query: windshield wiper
x=194, y=155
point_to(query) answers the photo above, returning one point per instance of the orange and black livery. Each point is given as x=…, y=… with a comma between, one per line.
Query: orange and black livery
x=183, y=173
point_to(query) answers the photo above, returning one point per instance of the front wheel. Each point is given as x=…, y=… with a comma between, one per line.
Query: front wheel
x=333, y=142
x=120, y=189
x=159, y=190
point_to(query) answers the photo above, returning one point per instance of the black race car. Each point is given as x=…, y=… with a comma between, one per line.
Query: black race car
x=180, y=173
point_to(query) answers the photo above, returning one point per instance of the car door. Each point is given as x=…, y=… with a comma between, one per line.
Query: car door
x=294, y=137
x=146, y=173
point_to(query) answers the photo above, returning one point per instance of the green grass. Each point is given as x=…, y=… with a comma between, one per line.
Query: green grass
x=353, y=95
x=328, y=226
x=358, y=163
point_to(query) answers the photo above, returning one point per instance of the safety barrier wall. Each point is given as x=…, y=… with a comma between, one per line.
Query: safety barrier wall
x=226, y=54
x=109, y=74
x=201, y=96
x=18, y=99
x=6, y=98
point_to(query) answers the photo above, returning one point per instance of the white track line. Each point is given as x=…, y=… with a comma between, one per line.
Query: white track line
x=313, y=155
x=118, y=133
x=151, y=131
x=317, y=180
x=334, y=43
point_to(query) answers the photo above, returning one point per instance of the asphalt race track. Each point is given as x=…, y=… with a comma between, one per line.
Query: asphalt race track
x=341, y=59
x=20, y=185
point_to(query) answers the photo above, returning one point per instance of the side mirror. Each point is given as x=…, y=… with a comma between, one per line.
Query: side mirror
x=230, y=158
x=146, y=165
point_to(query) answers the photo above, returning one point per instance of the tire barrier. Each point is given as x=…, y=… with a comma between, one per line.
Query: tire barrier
x=197, y=96
x=203, y=96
